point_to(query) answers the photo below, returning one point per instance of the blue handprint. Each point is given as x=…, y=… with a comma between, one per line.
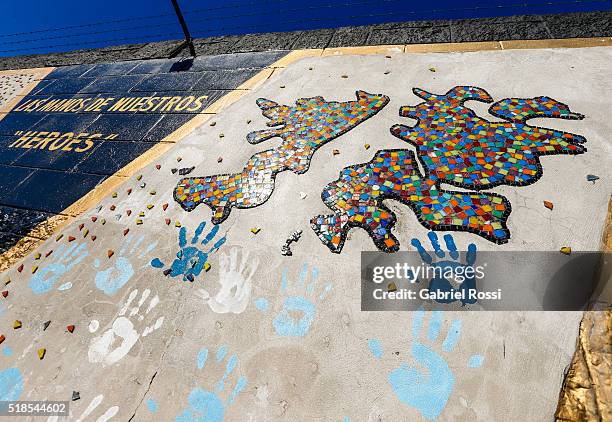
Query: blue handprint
x=120, y=270
x=441, y=283
x=207, y=406
x=62, y=261
x=427, y=391
x=11, y=384
x=303, y=304
x=190, y=261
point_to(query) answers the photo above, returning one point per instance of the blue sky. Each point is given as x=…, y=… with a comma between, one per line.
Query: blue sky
x=153, y=20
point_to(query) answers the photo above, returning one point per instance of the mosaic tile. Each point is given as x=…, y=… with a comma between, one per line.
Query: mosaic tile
x=456, y=147
x=462, y=149
x=304, y=128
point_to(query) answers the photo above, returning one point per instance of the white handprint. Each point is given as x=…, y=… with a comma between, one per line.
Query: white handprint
x=235, y=283
x=95, y=402
x=100, y=348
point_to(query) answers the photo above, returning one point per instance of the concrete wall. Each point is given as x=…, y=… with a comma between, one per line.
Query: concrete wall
x=506, y=28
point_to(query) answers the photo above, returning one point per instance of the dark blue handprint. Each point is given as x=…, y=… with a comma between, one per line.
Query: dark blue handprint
x=190, y=261
x=441, y=283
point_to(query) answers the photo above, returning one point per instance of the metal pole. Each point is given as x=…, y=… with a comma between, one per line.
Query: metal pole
x=188, y=39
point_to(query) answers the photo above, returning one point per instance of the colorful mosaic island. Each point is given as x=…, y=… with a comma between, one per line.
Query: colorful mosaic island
x=304, y=128
x=457, y=147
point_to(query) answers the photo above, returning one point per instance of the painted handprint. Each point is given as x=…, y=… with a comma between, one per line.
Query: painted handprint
x=62, y=261
x=190, y=260
x=235, y=283
x=209, y=406
x=302, y=302
x=120, y=270
x=11, y=384
x=92, y=407
x=426, y=386
x=439, y=283
x=118, y=340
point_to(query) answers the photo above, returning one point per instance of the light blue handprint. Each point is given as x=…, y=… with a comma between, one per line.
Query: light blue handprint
x=62, y=260
x=426, y=390
x=303, y=304
x=120, y=270
x=11, y=384
x=190, y=261
x=152, y=405
x=208, y=406
x=439, y=282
